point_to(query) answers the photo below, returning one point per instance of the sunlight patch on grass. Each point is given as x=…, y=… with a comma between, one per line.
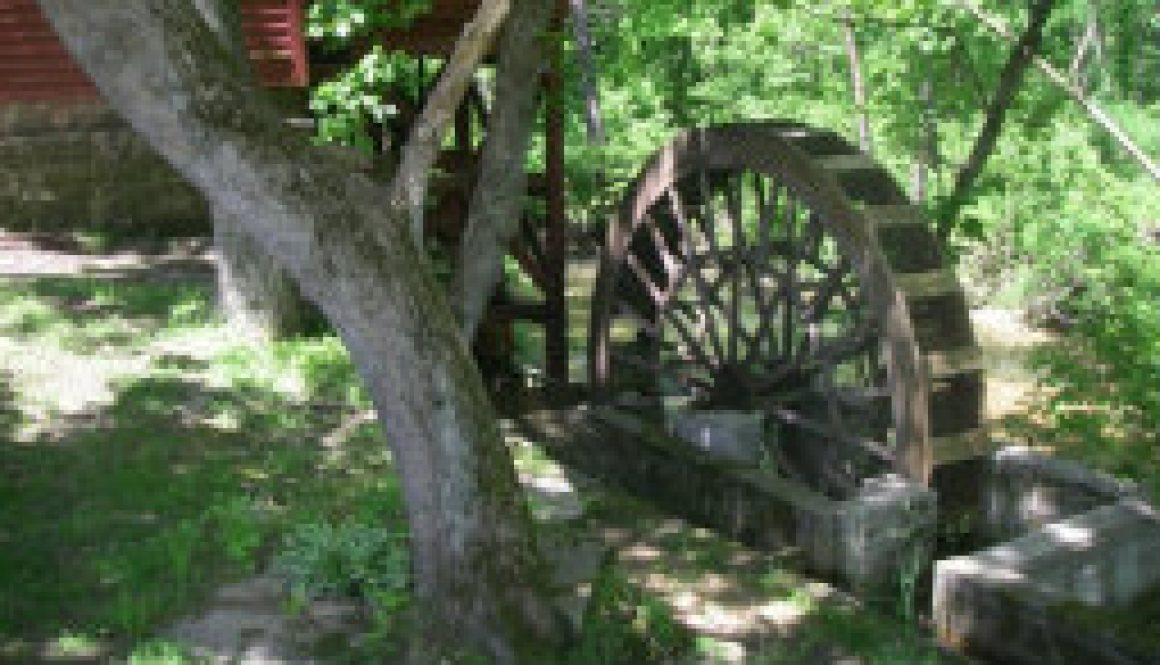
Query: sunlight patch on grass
x=177, y=460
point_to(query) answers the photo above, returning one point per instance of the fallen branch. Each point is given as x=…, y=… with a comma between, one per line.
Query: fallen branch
x=1059, y=79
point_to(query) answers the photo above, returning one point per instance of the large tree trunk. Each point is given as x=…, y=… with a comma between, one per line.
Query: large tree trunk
x=477, y=570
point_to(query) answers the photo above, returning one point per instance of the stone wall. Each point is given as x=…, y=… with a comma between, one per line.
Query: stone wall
x=79, y=166
x=870, y=542
x=1024, y=490
x=1011, y=602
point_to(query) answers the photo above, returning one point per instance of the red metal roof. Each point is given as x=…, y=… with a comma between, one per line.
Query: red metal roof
x=34, y=65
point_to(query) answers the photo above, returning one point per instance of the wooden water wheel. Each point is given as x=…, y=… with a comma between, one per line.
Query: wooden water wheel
x=773, y=268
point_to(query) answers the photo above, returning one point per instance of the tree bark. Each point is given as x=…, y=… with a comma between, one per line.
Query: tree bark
x=1009, y=81
x=497, y=202
x=593, y=118
x=422, y=148
x=859, y=84
x=255, y=296
x=477, y=570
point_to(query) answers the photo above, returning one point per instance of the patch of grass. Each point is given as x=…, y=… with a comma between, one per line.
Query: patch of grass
x=314, y=369
x=89, y=314
x=828, y=630
x=623, y=624
x=189, y=478
x=160, y=652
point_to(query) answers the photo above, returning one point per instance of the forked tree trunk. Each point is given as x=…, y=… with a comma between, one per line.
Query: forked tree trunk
x=477, y=570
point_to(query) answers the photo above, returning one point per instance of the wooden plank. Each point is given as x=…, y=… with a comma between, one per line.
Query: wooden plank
x=556, y=232
x=896, y=215
x=954, y=361
x=926, y=284
x=961, y=447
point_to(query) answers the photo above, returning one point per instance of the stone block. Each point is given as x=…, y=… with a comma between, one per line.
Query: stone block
x=1023, y=489
x=735, y=436
x=72, y=166
x=866, y=542
x=875, y=540
x=1006, y=602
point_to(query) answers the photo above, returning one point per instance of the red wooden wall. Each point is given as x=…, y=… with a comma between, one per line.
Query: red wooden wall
x=276, y=40
x=34, y=66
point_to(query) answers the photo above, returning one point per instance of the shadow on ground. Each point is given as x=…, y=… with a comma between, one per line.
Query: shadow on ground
x=114, y=529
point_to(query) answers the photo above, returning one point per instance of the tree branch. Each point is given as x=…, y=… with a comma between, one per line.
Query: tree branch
x=858, y=83
x=592, y=115
x=1092, y=109
x=422, y=149
x=1009, y=82
x=496, y=204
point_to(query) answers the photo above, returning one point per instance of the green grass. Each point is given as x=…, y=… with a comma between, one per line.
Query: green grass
x=88, y=313
x=121, y=516
x=128, y=513
x=1087, y=411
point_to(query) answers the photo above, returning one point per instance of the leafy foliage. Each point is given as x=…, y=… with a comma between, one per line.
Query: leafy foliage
x=342, y=19
x=347, y=560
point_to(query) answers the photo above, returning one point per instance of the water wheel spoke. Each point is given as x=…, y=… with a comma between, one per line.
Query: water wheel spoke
x=734, y=213
x=707, y=296
x=688, y=337
x=669, y=262
x=833, y=285
x=764, y=298
x=658, y=295
x=829, y=354
x=789, y=285
x=707, y=221
x=828, y=432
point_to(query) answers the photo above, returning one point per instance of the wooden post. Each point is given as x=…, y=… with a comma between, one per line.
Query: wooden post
x=556, y=233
